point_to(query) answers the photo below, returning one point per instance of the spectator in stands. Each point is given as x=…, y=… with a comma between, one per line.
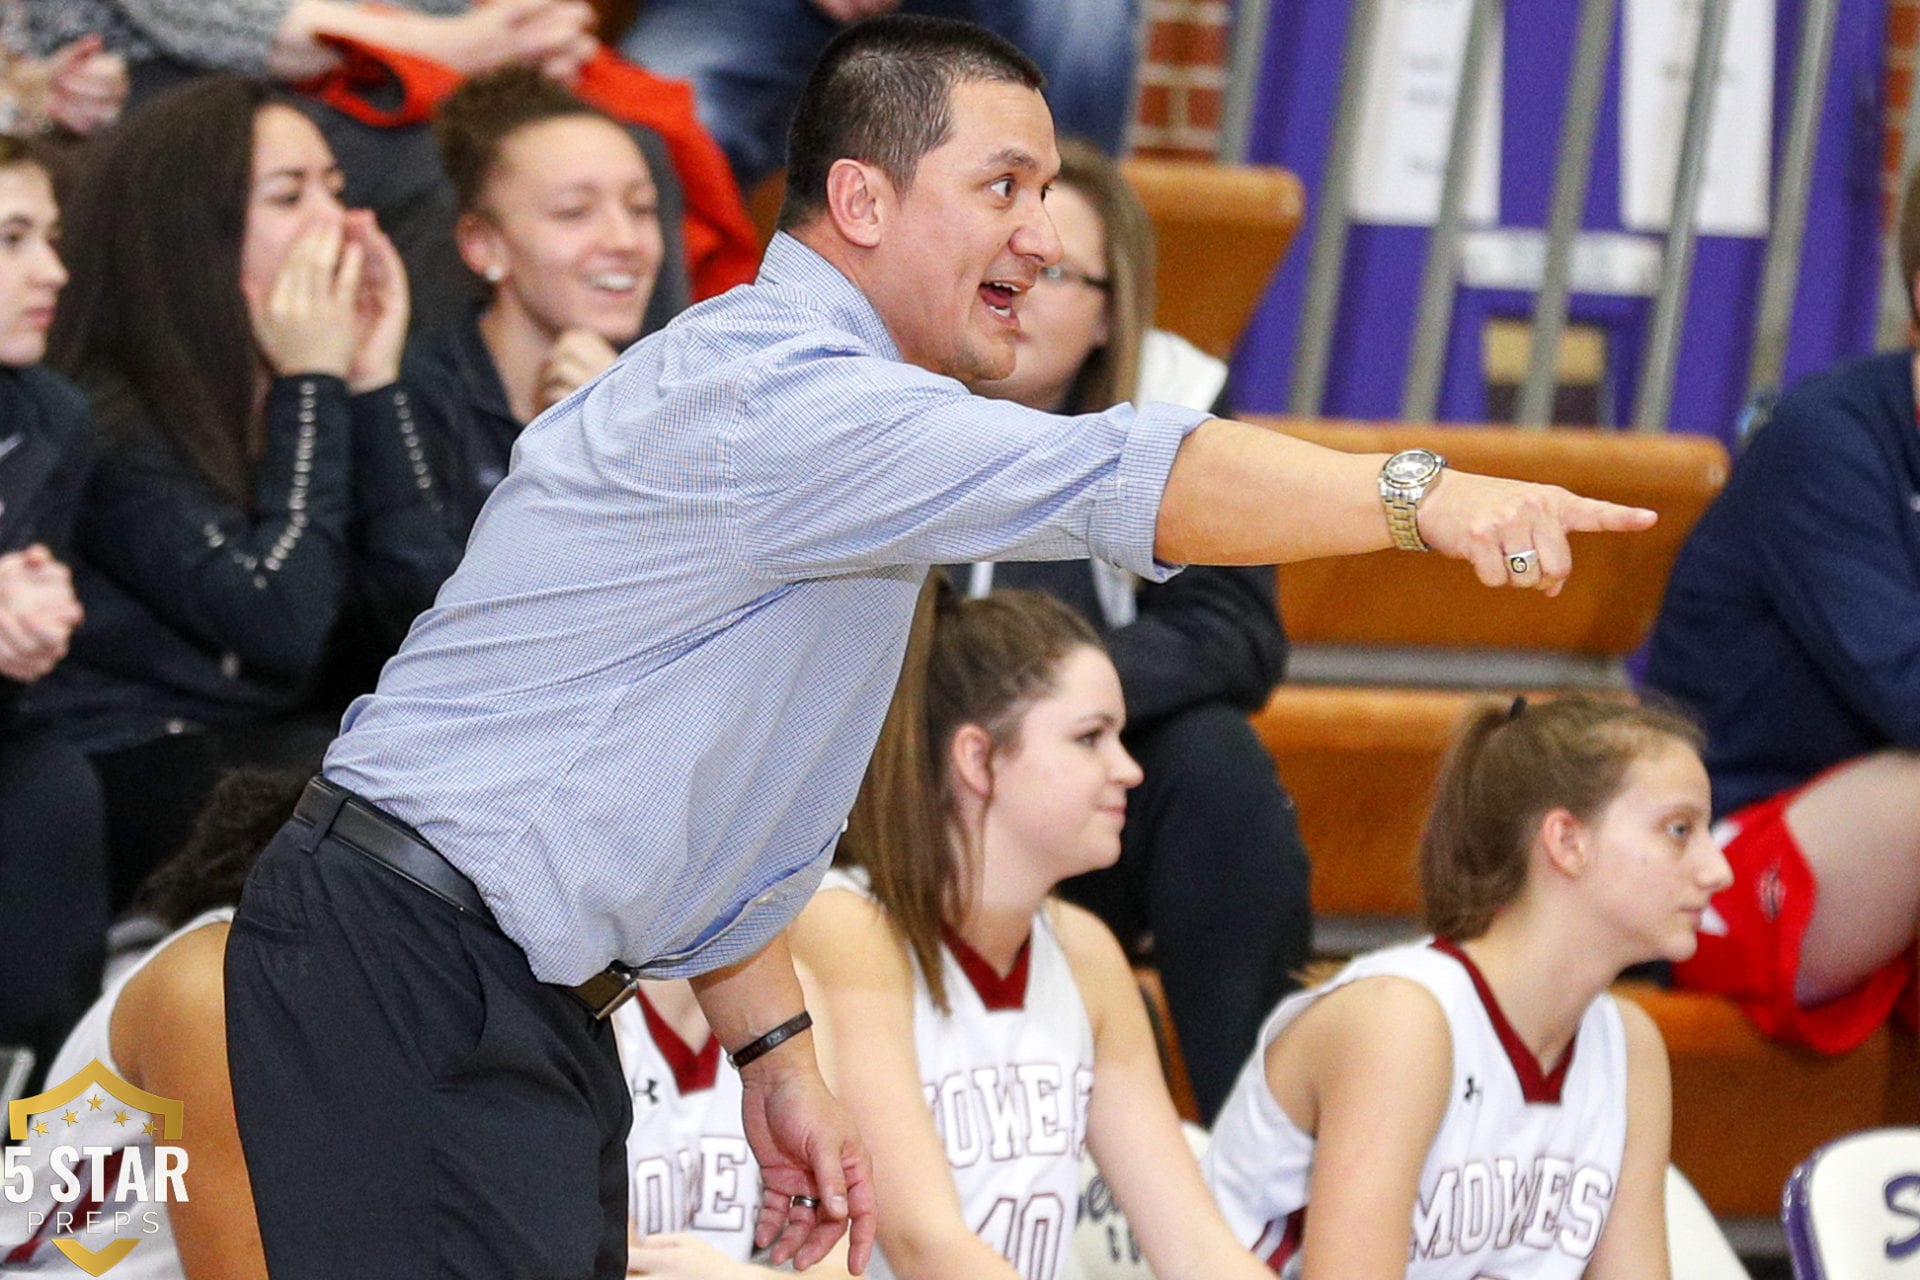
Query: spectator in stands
x=560, y=216
x=1212, y=868
x=239, y=334
x=53, y=894
x=384, y=150
x=1791, y=627
x=747, y=60
x=1425, y=1112
x=945, y=981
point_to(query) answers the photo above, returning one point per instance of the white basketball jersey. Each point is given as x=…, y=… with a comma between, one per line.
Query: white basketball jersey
x=1521, y=1174
x=689, y=1166
x=27, y=1230
x=1007, y=1072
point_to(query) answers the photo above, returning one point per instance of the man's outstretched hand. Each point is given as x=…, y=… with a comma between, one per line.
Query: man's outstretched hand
x=1491, y=523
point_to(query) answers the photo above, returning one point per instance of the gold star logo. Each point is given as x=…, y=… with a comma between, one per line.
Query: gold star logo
x=151, y=1128
x=40, y=1128
x=121, y=1117
x=94, y=1103
x=72, y=1118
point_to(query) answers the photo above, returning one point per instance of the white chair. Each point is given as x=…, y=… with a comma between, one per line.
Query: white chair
x=1852, y=1208
x=1696, y=1249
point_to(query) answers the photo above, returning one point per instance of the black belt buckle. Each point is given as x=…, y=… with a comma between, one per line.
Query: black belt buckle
x=607, y=990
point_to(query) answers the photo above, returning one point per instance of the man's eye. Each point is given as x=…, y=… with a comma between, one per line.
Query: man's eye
x=1003, y=187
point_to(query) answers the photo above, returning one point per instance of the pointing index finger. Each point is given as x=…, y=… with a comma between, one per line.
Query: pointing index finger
x=1592, y=515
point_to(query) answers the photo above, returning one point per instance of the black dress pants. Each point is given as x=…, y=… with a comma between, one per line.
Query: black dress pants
x=411, y=1100
x=1211, y=865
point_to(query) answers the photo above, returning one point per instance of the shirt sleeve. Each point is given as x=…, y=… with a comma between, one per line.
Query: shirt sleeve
x=1836, y=540
x=844, y=463
x=232, y=35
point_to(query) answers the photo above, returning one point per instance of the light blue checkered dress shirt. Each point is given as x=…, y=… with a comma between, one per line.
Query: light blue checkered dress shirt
x=637, y=715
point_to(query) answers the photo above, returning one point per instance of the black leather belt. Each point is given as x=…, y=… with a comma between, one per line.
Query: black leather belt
x=387, y=842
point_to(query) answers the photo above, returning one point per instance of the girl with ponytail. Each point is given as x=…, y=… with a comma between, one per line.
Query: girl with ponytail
x=1480, y=1089
x=983, y=1033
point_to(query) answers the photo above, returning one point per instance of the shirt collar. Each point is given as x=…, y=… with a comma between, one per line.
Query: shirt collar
x=791, y=264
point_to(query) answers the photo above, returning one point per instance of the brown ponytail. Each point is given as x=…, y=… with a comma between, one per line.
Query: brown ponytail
x=977, y=662
x=1508, y=767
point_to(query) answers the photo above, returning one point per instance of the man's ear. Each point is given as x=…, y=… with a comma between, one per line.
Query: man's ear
x=1565, y=838
x=857, y=198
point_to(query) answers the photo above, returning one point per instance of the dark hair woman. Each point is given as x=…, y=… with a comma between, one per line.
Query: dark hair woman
x=261, y=474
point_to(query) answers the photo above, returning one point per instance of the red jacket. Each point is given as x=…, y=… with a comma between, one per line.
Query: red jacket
x=722, y=246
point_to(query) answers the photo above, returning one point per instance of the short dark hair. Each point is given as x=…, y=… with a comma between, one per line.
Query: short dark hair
x=882, y=94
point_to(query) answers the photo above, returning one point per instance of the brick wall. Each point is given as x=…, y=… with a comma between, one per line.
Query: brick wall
x=1183, y=74
x=1903, y=40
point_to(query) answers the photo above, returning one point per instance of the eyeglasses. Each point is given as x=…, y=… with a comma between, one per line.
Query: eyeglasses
x=1058, y=273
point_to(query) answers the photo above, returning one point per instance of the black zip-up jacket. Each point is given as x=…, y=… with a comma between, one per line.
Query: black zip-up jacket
x=203, y=612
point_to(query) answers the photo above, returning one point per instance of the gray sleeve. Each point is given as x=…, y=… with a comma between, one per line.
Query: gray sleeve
x=226, y=35
x=229, y=35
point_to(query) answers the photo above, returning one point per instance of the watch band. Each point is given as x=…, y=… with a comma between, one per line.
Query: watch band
x=1403, y=525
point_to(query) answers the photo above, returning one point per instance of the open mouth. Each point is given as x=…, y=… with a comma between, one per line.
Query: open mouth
x=614, y=281
x=999, y=295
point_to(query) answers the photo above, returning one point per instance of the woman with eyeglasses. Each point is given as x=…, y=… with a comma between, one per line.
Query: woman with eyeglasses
x=1212, y=866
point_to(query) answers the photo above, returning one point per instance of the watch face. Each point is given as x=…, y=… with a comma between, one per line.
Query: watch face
x=1411, y=468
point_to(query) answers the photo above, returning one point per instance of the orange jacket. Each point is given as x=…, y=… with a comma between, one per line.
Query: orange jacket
x=385, y=87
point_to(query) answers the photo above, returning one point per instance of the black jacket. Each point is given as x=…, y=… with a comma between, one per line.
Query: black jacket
x=203, y=612
x=470, y=427
x=44, y=453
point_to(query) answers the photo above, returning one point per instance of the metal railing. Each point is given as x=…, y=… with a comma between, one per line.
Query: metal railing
x=1572, y=174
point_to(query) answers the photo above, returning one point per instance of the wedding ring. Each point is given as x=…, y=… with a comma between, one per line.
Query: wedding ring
x=804, y=1202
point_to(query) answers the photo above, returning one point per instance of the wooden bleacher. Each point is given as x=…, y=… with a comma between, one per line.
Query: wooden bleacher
x=1392, y=648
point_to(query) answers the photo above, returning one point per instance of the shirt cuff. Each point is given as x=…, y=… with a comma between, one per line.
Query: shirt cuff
x=1128, y=512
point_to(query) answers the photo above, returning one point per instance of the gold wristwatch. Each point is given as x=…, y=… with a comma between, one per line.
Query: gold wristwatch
x=1406, y=478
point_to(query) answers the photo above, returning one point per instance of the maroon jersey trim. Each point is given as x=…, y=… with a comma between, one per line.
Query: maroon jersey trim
x=997, y=993
x=1536, y=1085
x=1291, y=1231
x=693, y=1069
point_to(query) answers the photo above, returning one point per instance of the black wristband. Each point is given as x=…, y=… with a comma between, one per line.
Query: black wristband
x=766, y=1044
